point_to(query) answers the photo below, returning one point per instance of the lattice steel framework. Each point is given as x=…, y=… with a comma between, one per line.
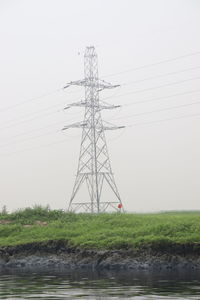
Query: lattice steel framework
x=94, y=168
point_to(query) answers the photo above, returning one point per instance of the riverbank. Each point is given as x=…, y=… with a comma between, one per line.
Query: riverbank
x=56, y=254
x=40, y=237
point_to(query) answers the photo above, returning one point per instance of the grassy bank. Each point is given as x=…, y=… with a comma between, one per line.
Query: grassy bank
x=104, y=231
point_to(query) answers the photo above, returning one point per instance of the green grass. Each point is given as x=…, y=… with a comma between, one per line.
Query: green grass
x=103, y=231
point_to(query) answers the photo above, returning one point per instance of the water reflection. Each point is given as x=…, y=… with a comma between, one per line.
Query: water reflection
x=60, y=284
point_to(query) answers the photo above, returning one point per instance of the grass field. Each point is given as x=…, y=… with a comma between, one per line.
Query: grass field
x=103, y=231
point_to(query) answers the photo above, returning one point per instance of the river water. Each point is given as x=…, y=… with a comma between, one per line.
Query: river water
x=104, y=285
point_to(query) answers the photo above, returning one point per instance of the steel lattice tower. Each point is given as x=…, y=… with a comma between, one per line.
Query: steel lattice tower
x=94, y=168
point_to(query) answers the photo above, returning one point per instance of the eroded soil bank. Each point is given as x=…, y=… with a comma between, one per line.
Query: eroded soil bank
x=57, y=254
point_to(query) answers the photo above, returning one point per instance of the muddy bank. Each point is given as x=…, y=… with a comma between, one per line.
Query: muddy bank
x=57, y=254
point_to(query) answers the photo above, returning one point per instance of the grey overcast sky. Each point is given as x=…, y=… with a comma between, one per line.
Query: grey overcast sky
x=157, y=161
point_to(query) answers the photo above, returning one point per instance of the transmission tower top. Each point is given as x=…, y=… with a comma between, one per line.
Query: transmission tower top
x=94, y=168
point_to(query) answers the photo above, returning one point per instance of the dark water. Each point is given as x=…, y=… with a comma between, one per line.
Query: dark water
x=89, y=285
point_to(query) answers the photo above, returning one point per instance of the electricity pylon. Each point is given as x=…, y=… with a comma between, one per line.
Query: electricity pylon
x=94, y=168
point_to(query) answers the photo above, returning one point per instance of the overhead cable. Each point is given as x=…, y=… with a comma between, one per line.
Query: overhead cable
x=160, y=76
x=158, y=110
x=153, y=64
x=164, y=120
x=153, y=88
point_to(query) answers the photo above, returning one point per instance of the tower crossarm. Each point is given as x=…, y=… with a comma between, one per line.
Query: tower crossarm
x=86, y=104
x=92, y=82
x=106, y=85
x=110, y=126
x=109, y=106
x=75, y=125
x=86, y=125
x=76, y=104
x=77, y=82
x=113, y=127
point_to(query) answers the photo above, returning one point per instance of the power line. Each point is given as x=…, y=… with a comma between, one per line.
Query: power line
x=37, y=115
x=133, y=92
x=34, y=99
x=35, y=148
x=31, y=119
x=153, y=88
x=38, y=147
x=165, y=97
x=159, y=110
x=127, y=126
x=31, y=131
x=160, y=76
x=128, y=70
x=154, y=64
x=35, y=112
x=30, y=100
x=46, y=114
x=164, y=120
x=141, y=80
x=30, y=138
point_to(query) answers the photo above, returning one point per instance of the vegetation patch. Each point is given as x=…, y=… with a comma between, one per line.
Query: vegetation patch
x=175, y=232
